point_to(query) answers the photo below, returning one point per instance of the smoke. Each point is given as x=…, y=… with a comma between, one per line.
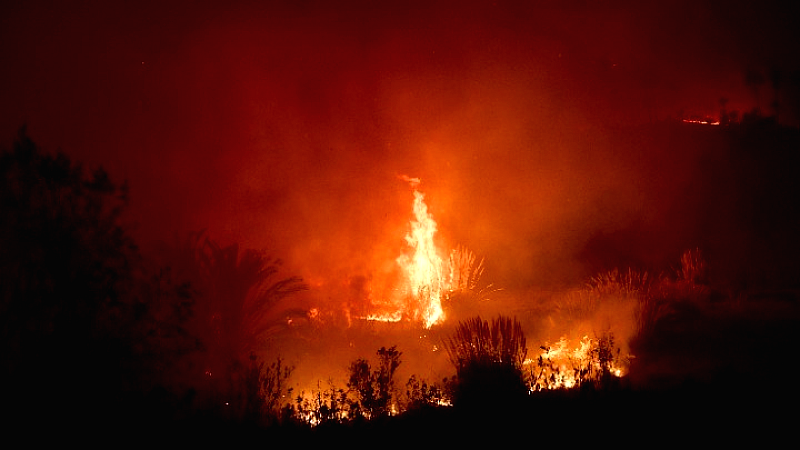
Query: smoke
x=284, y=126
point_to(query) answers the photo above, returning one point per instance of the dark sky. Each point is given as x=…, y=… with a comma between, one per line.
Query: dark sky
x=284, y=125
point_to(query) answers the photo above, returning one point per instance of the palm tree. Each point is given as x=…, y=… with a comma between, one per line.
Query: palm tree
x=238, y=300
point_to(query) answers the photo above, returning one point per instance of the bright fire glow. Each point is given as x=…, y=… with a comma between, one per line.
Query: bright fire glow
x=423, y=267
x=419, y=297
x=701, y=122
x=564, y=366
x=396, y=316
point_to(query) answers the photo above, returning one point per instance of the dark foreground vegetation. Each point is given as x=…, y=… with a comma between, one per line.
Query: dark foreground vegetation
x=98, y=338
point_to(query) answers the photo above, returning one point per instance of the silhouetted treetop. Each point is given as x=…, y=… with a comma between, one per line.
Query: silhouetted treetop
x=238, y=299
x=65, y=270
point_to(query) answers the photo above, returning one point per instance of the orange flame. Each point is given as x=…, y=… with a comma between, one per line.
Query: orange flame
x=424, y=267
x=564, y=366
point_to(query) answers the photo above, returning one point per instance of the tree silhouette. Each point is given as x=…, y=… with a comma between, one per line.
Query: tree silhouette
x=754, y=79
x=724, y=117
x=374, y=389
x=87, y=323
x=260, y=395
x=66, y=271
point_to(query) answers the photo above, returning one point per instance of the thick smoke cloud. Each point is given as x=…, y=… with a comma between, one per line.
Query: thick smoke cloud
x=284, y=126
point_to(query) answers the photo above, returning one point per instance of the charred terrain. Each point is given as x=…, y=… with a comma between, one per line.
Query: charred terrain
x=678, y=323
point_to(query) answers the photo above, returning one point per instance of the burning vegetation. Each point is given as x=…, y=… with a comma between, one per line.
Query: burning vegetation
x=246, y=344
x=419, y=298
x=613, y=307
x=594, y=236
x=430, y=277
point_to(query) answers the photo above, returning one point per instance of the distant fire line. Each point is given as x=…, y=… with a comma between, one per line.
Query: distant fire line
x=701, y=122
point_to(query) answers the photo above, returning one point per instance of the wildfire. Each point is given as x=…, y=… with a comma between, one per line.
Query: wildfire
x=419, y=297
x=395, y=316
x=423, y=267
x=702, y=121
x=562, y=366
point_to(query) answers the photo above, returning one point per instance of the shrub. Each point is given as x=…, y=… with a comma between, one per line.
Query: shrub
x=488, y=358
x=374, y=389
x=420, y=394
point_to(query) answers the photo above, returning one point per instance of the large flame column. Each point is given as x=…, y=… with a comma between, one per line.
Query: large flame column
x=423, y=267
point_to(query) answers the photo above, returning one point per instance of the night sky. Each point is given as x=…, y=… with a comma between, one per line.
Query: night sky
x=284, y=125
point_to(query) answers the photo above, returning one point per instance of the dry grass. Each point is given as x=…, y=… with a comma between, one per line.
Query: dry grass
x=478, y=341
x=631, y=303
x=615, y=283
x=693, y=267
x=464, y=292
x=465, y=269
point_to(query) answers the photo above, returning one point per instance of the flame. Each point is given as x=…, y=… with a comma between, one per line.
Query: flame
x=420, y=295
x=395, y=316
x=423, y=267
x=702, y=121
x=561, y=366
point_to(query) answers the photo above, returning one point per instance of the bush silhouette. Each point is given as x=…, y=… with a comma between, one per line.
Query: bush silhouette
x=374, y=388
x=488, y=358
